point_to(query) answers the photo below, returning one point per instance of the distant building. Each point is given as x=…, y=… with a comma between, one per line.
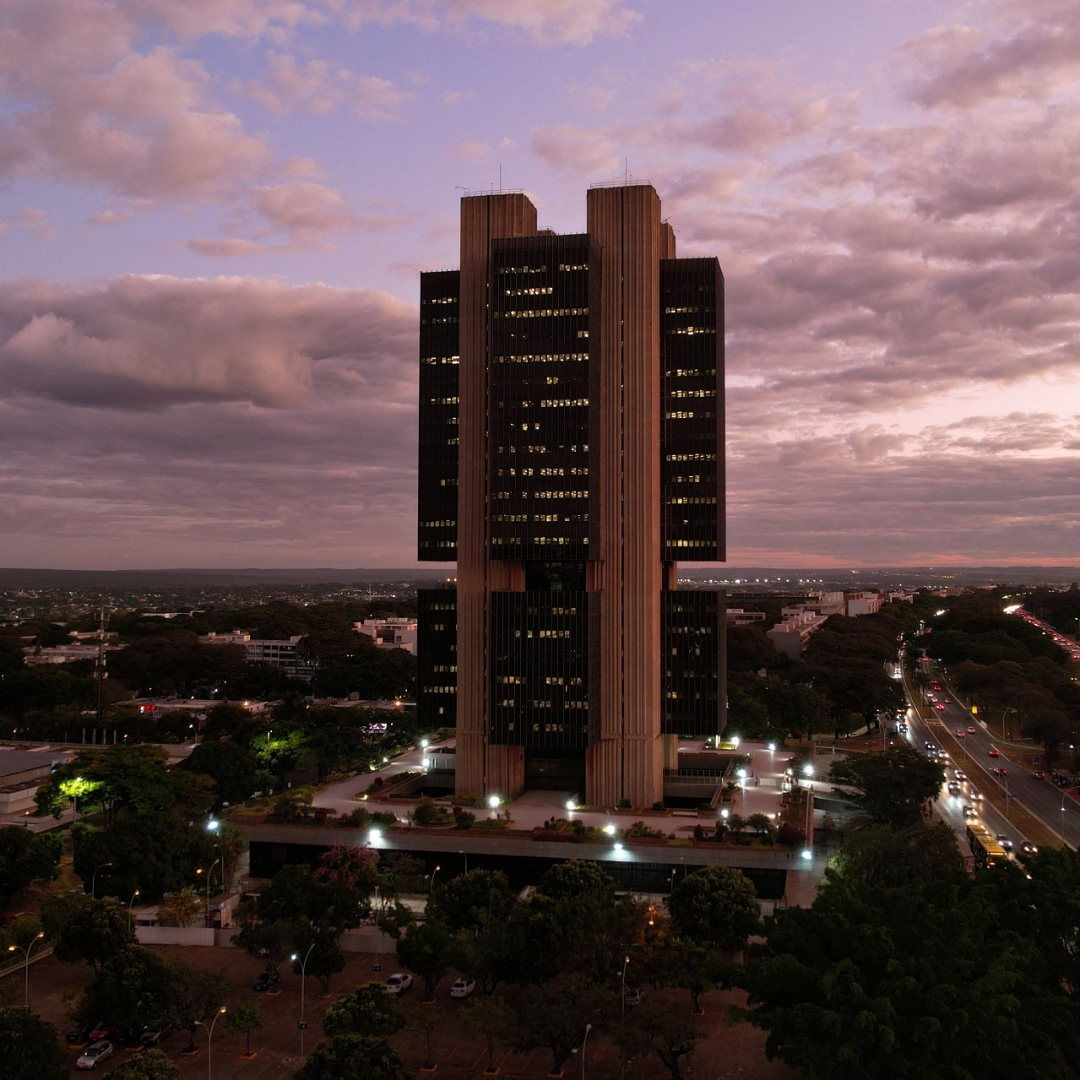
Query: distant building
x=739, y=617
x=394, y=633
x=64, y=654
x=862, y=603
x=791, y=635
x=279, y=652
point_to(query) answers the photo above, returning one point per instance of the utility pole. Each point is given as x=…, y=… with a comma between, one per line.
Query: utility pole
x=99, y=665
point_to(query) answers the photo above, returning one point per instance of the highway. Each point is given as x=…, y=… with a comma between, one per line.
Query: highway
x=1040, y=797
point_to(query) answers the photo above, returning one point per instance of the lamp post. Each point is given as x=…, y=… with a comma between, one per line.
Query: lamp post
x=431, y=879
x=209, y=1041
x=465, y=856
x=588, y=1028
x=26, y=966
x=302, y=1025
x=93, y=879
x=131, y=904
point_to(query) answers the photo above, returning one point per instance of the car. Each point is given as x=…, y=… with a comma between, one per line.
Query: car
x=1028, y=848
x=1001, y=772
x=103, y=1030
x=940, y=705
x=78, y=1035
x=929, y=745
x=265, y=980
x=994, y=752
x=156, y=1033
x=960, y=774
x=94, y=1054
x=1004, y=841
x=1038, y=776
x=960, y=733
x=462, y=988
x=954, y=787
x=975, y=796
x=970, y=812
x=398, y=983
x=972, y=730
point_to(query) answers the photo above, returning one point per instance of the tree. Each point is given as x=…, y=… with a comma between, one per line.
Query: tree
x=882, y=857
x=891, y=787
x=134, y=989
x=150, y=1064
x=233, y=769
x=488, y=1018
x=717, y=906
x=85, y=930
x=30, y=1046
x=353, y=1057
x=471, y=901
x=269, y=941
x=425, y=950
x=318, y=952
x=686, y=966
x=575, y=879
x=26, y=857
x=368, y=1010
x=920, y=980
x=245, y=1018
x=425, y=1022
x=183, y=908
x=196, y=996
x=656, y=1029
x=555, y=1015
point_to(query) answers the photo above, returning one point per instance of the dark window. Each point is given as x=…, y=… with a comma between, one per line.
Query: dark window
x=693, y=672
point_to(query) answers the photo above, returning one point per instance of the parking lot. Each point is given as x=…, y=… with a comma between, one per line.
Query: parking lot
x=727, y=1051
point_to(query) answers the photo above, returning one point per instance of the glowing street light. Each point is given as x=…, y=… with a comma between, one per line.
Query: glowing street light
x=26, y=965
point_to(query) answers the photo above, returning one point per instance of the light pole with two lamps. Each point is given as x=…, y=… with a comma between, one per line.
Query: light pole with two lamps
x=209, y=1041
x=26, y=966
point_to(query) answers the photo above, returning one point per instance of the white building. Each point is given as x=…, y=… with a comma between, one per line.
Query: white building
x=791, y=635
x=862, y=603
x=279, y=652
x=395, y=633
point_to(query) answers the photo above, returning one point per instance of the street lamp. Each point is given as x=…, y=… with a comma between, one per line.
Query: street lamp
x=93, y=879
x=26, y=966
x=431, y=879
x=131, y=904
x=465, y=856
x=302, y=1025
x=209, y=1041
x=588, y=1028
x=625, y=964
x=209, y=873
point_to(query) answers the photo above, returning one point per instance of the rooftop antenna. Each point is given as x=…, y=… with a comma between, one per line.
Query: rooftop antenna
x=500, y=176
x=626, y=170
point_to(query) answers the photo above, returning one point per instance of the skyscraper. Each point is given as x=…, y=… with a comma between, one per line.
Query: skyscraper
x=571, y=453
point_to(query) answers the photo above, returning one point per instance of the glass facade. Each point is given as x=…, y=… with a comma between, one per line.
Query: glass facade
x=692, y=420
x=539, y=389
x=436, y=655
x=694, y=636
x=438, y=476
x=540, y=671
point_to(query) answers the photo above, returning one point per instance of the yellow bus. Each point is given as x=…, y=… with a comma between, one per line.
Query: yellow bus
x=986, y=850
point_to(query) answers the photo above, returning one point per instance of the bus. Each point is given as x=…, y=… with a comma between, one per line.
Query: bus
x=986, y=850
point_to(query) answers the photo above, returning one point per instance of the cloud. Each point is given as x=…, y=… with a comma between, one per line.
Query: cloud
x=156, y=342
x=470, y=150
x=36, y=222
x=574, y=149
x=321, y=86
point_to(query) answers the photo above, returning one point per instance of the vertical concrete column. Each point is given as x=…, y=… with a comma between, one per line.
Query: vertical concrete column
x=626, y=760
x=484, y=218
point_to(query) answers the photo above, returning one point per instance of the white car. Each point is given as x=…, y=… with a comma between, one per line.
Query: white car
x=462, y=988
x=398, y=983
x=94, y=1053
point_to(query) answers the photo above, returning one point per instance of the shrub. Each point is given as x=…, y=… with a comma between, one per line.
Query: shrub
x=462, y=818
x=791, y=835
x=426, y=812
x=623, y=804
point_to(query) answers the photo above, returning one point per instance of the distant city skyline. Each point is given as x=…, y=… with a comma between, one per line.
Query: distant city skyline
x=214, y=213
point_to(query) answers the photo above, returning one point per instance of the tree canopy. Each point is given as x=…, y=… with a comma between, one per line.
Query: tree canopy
x=715, y=906
x=891, y=787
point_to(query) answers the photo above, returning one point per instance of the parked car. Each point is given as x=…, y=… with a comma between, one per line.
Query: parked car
x=94, y=1054
x=462, y=988
x=398, y=983
x=265, y=980
x=78, y=1034
x=103, y=1030
x=155, y=1033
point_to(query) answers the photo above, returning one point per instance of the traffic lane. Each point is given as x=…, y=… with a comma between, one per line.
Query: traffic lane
x=950, y=807
x=1040, y=796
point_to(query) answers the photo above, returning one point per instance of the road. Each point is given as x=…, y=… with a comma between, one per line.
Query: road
x=1041, y=797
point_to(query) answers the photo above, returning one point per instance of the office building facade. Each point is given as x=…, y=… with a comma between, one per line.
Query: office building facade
x=571, y=454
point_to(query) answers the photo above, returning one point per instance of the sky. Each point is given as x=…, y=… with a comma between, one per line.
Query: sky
x=213, y=215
